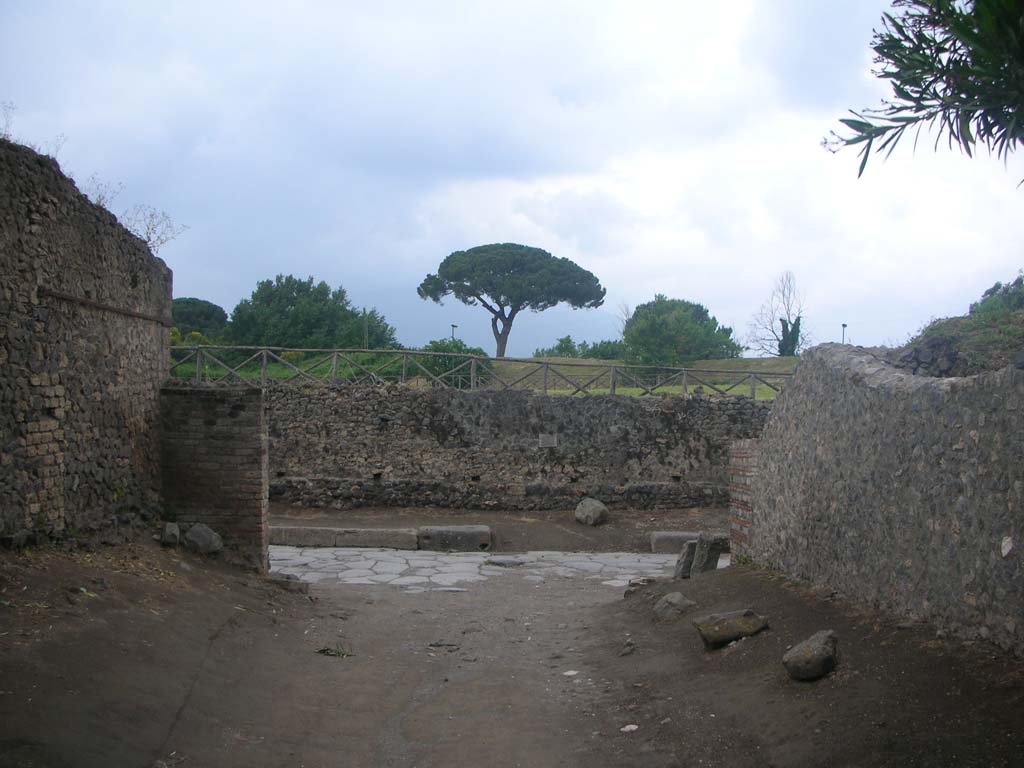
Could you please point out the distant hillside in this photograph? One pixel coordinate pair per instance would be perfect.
(989, 337)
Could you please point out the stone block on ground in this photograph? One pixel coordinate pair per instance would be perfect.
(710, 546)
(591, 512)
(171, 536)
(671, 542)
(505, 561)
(685, 561)
(455, 538)
(203, 539)
(302, 536)
(815, 657)
(672, 606)
(718, 629)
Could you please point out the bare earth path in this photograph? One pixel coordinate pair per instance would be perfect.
(136, 656)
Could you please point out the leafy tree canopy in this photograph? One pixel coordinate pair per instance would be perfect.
(602, 350)
(675, 332)
(198, 315)
(290, 312)
(954, 64)
(506, 278)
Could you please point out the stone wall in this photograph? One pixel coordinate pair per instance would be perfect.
(901, 490)
(391, 445)
(83, 349)
(214, 462)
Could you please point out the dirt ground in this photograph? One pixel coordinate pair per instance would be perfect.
(137, 656)
(626, 530)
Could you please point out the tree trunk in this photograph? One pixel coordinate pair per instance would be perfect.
(501, 335)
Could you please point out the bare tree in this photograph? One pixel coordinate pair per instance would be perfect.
(155, 227)
(623, 313)
(147, 223)
(7, 110)
(100, 192)
(775, 329)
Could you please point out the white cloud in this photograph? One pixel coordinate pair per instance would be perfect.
(669, 147)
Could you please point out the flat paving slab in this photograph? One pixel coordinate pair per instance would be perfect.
(423, 570)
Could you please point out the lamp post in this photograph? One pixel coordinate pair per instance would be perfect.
(454, 326)
(844, 333)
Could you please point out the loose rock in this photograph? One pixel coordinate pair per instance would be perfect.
(171, 536)
(203, 539)
(814, 658)
(591, 512)
(672, 606)
(720, 629)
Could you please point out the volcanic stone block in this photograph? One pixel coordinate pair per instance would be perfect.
(671, 542)
(457, 538)
(685, 561)
(720, 629)
(710, 546)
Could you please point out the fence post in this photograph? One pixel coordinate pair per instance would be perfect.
(545, 367)
(199, 366)
(753, 387)
(472, 375)
(611, 385)
(405, 365)
(334, 369)
(263, 369)
(686, 389)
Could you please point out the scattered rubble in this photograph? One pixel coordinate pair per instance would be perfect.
(672, 606)
(171, 537)
(591, 512)
(720, 629)
(814, 658)
(203, 539)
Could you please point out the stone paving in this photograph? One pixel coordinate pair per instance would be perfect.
(420, 570)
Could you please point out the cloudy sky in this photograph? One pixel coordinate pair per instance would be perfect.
(668, 147)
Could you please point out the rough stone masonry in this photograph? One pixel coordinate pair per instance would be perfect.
(83, 348)
(901, 490)
(391, 445)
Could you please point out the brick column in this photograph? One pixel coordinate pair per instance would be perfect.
(214, 465)
(743, 456)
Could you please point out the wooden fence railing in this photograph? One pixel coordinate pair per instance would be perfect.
(276, 366)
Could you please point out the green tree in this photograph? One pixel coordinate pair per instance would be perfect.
(674, 332)
(563, 347)
(290, 312)
(506, 278)
(443, 367)
(198, 315)
(954, 64)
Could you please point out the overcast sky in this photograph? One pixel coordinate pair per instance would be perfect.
(668, 147)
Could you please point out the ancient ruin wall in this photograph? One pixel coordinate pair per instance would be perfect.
(214, 463)
(83, 349)
(901, 490)
(509, 450)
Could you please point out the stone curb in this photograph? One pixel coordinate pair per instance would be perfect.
(305, 536)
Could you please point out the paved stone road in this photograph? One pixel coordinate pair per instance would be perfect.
(419, 570)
